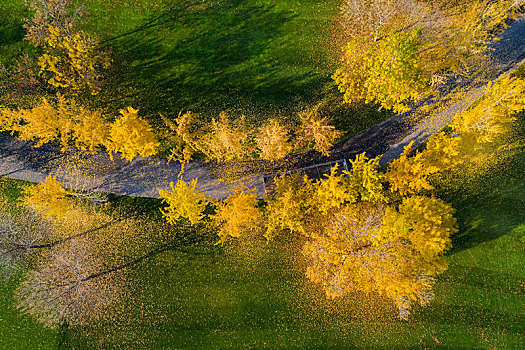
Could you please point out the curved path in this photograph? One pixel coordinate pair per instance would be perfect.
(145, 176)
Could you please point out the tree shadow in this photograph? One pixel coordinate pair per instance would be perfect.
(11, 33)
(492, 203)
(485, 279)
(207, 57)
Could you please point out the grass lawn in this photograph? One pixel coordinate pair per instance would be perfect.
(258, 57)
(197, 295)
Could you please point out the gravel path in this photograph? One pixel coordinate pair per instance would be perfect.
(143, 177)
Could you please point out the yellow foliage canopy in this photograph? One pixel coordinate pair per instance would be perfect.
(333, 191)
(273, 140)
(488, 120)
(317, 130)
(87, 130)
(493, 113)
(382, 70)
(408, 175)
(62, 120)
(397, 50)
(226, 139)
(365, 179)
(289, 207)
(184, 201)
(73, 61)
(48, 198)
(237, 215)
(369, 247)
(131, 135)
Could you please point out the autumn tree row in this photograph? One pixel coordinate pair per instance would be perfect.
(368, 230)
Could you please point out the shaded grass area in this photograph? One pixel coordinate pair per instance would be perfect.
(261, 58)
(12, 15)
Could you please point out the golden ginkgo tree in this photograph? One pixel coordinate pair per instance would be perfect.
(361, 239)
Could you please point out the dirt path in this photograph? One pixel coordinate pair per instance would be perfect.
(143, 177)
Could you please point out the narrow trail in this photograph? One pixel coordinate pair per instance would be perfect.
(144, 176)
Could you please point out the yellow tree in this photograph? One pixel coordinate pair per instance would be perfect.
(187, 135)
(333, 191)
(131, 136)
(73, 61)
(184, 201)
(62, 120)
(227, 139)
(359, 249)
(365, 179)
(384, 70)
(42, 122)
(273, 140)
(408, 175)
(317, 130)
(486, 122)
(288, 209)
(237, 215)
(62, 14)
(48, 198)
(490, 117)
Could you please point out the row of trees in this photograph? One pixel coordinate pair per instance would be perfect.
(63, 120)
(365, 230)
(224, 139)
(73, 125)
(369, 229)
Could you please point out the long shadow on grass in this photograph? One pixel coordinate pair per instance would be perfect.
(485, 279)
(206, 57)
(493, 204)
(11, 33)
